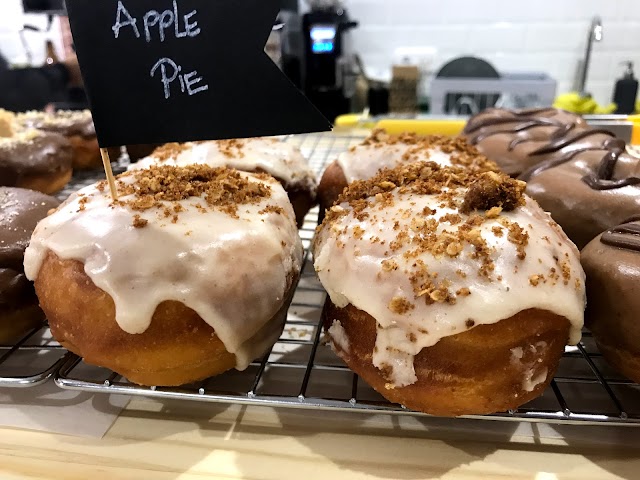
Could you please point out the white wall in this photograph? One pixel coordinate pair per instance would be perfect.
(12, 18)
(514, 35)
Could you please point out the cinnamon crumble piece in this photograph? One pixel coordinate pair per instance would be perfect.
(139, 222)
(491, 190)
(400, 305)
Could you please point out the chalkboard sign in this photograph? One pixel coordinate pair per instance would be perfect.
(178, 70)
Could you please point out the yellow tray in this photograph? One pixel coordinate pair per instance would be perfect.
(397, 126)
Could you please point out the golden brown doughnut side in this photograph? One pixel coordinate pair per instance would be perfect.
(177, 348)
(332, 183)
(469, 373)
(302, 201)
(46, 183)
(86, 152)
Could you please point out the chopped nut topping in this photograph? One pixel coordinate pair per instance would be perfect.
(492, 190)
(221, 188)
(139, 222)
(400, 305)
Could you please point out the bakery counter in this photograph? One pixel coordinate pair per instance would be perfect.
(152, 439)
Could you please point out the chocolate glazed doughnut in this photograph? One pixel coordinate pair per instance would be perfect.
(76, 126)
(612, 264)
(20, 211)
(35, 160)
(587, 189)
(519, 139)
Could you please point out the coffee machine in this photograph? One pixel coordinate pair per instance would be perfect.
(329, 67)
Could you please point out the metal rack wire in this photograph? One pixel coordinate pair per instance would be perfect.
(301, 371)
(32, 360)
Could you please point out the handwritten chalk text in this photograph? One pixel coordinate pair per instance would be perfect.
(159, 25)
(170, 71)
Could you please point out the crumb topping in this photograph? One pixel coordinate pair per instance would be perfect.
(400, 305)
(169, 151)
(163, 187)
(493, 192)
(462, 153)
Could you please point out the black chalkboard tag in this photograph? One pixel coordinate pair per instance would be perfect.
(177, 70)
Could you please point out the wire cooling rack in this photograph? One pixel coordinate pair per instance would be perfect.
(301, 371)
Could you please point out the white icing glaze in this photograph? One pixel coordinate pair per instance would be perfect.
(339, 335)
(363, 161)
(279, 159)
(350, 267)
(234, 272)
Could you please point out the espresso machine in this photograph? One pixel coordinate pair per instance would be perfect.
(329, 68)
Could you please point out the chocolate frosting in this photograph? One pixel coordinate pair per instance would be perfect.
(20, 211)
(612, 265)
(587, 191)
(623, 236)
(66, 123)
(33, 153)
(582, 175)
(520, 139)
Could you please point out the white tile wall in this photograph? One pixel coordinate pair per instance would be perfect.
(515, 35)
(12, 18)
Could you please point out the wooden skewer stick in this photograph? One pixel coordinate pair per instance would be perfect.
(106, 162)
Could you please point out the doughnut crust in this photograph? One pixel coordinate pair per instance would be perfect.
(331, 185)
(86, 152)
(49, 183)
(474, 372)
(177, 348)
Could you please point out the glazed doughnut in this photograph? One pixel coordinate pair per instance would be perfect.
(34, 159)
(187, 275)
(76, 126)
(612, 264)
(279, 159)
(20, 211)
(381, 150)
(450, 291)
(587, 190)
(520, 139)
